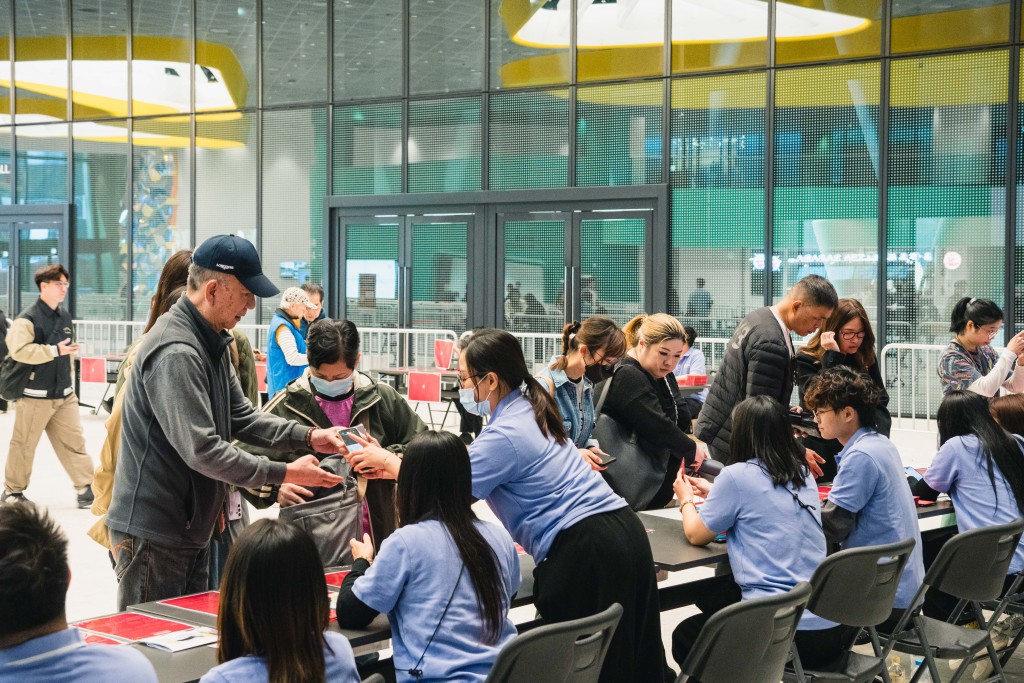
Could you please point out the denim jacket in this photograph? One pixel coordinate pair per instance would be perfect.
(578, 420)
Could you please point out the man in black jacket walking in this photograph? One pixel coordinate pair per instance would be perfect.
(759, 358)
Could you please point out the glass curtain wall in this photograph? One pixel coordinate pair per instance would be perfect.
(795, 136)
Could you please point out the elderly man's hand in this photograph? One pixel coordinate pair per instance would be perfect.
(306, 471)
(328, 441)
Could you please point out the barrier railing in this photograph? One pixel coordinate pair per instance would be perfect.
(106, 337)
(913, 384)
(538, 347)
(383, 348)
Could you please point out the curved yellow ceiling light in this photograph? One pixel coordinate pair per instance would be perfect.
(638, 23)
(160, 87)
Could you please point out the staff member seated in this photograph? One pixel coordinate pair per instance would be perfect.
(445, 578)
(35, 641)
(766, 502)
(981, 466)
(274, 613)
(870, 503)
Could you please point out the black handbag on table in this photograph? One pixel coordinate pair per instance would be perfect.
(634, 474)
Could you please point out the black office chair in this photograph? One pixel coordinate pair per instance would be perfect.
(855, 587)
(566, 652)
(749, 641)
(971, 566)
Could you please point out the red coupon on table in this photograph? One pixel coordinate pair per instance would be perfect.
(132, 626)
(207, 603)
(335, 578)
(97, 639)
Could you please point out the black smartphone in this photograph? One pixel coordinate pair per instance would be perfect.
(350, 443)
(605, 459)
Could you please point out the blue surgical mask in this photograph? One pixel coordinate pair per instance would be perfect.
(473, 406)
(333, 388)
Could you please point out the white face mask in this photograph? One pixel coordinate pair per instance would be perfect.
(332, 388)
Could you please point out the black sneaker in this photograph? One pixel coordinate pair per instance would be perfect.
(85, 499)
(9, 497)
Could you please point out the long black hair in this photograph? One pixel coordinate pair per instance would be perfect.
(965, 412)
(274, 564)
(497, 351)
(761, 430)
(435, 482)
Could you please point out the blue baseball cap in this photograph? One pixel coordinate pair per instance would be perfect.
(232, 255)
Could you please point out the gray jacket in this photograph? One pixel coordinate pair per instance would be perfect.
(182, 408)
(756, 362)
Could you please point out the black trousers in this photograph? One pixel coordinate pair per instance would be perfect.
(600, 560)
(818, 649)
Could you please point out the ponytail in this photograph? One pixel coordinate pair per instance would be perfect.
(597, 333)
(497, 351)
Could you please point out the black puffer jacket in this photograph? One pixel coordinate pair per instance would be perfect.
(756, 362)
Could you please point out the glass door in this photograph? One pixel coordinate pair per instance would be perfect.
(371, 283)
(436, 270)
(536, 272)
(612, 263)
(37, 244)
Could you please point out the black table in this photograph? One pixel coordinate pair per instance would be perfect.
(671, 551)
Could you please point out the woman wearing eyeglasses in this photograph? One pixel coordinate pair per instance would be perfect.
(594, 342)
(845, 339)
(969, 362)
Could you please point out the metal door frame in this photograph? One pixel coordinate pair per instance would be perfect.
(485, 247)
(16, 214)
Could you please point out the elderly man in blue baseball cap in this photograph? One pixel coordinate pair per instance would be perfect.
(183, 407)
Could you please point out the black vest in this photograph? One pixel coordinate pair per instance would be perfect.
(53, 379)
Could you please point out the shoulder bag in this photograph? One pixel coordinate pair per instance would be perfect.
(634, 474)
(332, 516)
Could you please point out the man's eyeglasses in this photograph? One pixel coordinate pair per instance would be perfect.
(63, 284)
(818, 413)
(849, 334)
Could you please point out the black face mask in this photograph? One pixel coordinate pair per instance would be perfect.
(598, 373)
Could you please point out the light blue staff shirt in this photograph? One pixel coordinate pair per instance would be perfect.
(412, 579)
(871, 483)
(340, 665)
(64, 656)
(773, 543)
(959, 469)
(693, 363)
(535, 486)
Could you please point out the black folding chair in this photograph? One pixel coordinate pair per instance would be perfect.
(972, 567)
(856, 587)
(1011, 603)
(566, 652)
(749, 641)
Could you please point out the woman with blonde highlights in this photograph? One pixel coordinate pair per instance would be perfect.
(642, 398)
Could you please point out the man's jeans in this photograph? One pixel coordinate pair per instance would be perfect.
(147, 571)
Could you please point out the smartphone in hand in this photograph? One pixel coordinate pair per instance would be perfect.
(605, 459)
(350, 443)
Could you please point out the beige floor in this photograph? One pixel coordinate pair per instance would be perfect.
(93, 588)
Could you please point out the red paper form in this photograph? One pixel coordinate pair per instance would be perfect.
(132, 626)
(335, 578)
(207, 603)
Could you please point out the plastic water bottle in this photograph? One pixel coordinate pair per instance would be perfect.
(897, 674)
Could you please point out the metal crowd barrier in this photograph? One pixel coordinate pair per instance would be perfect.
(909, 371)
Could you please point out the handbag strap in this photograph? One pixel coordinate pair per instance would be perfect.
(604, 391)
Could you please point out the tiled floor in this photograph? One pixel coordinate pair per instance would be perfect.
(93, 588)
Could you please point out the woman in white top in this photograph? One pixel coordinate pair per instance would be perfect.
(969, 362)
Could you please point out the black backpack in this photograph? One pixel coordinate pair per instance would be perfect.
(14, 376)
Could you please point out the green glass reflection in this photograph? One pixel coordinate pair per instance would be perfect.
(368, 149)
(444, 145)
(371, 275)
(826, 179)
(529, 140)
(717, 180)
(613, 127)
(534, 291)
(439, 267)
(946, 232)
(612, 267)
